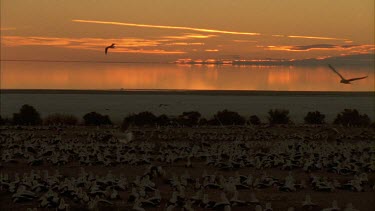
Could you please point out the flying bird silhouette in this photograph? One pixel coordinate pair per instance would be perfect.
(343, 80)
(111, 46)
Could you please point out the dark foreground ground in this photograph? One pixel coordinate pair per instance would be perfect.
(101, 168)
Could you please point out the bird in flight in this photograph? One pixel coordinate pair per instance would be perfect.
(111, 46)
(343, 80)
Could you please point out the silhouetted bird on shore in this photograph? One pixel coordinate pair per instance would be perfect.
(343, 80)
(111, 46)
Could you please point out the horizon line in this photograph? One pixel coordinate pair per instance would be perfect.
(276, 62)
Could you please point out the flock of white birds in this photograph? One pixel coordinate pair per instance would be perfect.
(192, 169)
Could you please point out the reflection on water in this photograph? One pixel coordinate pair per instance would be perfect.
(34, 75)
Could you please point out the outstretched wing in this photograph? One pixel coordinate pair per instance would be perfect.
(354, 79)
(333, 69)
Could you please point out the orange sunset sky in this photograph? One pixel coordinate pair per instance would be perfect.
(166, 30)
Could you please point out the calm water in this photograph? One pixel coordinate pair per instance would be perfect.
(31, 75)
(37, 75)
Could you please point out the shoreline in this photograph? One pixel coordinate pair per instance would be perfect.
(189, 92)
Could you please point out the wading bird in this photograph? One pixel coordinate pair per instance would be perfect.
(343, 80)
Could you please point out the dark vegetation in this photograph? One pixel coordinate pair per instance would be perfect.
(60, 119)
(202, 121)
(5, 121)
(94, 118)
(314, 118)
(28, 115)
(162, 120)
(226, 117)
(254, 120)
(279, 116)
(145, 118)
(351, 117)
(189, 118)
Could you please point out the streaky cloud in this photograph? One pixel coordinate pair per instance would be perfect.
(150, 51)
(315, 38)
(64, 41)
(167, 27)
(189, 36)
(211, 50)
(127, 45)
(278, 35)
(320, 46)
(206, 30)
(184, 44)
(7, 28)
(324, 47)
(128, 50)
(245, 41)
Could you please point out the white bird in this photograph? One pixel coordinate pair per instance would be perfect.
(268, 207)
(235, 201)
(127, 138)
(308, 203)
(343, 80)
(350, 207)
(224, 201)
(334, 207)
(137, 205)
(63, 205)
(258, 208)
(253, 199)
(111, 46)
(188, 163)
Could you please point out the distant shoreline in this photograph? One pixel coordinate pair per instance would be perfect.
(188, 92)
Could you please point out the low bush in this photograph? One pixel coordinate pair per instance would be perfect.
(189, 118)
(351, 117)
(279, 116)
(203, 121)
(174, 121)
(60, 119)
(254, 120)
(162, 120)
(5, 121)
(140, 119)
(94, 118)
(314, 118)
(213, 122)
(27, 116)
(226, 117)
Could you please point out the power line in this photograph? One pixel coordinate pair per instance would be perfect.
(80, 61)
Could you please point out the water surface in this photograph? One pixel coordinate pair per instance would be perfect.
(78, 75)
